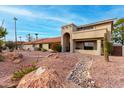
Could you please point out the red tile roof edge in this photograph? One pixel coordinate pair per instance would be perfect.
(44, 40)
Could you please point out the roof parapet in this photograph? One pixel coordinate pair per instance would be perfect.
(69, 25)
(99, 22)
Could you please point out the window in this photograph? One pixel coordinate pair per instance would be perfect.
(79, 45)
(85, 28)
(91, 45)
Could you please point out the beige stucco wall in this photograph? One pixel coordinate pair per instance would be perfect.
(37, 45)
(26, 47)
(45, 46)
(68, 29)
(108, 26)
(99, 33)
(122, 50)
(92, 52)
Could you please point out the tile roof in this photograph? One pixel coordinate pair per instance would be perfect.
(44, 40)
(48, 40)
(20, 42)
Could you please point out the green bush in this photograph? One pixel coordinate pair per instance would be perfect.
(1, 58)
(23, 70)
(1, 45)
(56, 47)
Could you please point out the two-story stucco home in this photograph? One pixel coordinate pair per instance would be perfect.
(87, 39)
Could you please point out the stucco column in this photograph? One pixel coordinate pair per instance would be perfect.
(122, 50)
(62, 43)
(98, 47)
(71, 45)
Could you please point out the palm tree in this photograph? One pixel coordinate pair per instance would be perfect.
(29, 37)
(36, 34)
(3, 33)
(20, 38)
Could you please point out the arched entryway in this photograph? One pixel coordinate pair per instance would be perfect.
(66, 41)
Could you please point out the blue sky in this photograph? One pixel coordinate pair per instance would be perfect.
(47, 20)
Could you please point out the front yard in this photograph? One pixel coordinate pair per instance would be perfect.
(105, 74)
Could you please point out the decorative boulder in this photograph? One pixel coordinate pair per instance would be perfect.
(6, 82)
(14, 57)
(41, 78)
(17, 58)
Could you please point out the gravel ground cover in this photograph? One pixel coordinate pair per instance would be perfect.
(105, 74)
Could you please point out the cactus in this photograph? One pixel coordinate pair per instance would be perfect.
(106, 50)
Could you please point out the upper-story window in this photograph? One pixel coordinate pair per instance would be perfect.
(85, 28)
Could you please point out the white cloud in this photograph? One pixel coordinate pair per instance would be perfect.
(59, 19)
(16, 11)
(25, 12)
(42, 15)
(114, 12)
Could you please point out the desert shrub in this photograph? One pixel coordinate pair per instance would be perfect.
(56, 47)
(10, 45)
(2, 58)
(1, 45)
(43, 50)
(23, 70)
(4, 47)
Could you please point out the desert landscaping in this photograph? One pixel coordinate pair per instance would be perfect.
(62, 70)
(50, 52)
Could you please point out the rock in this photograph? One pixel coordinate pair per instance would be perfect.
(40, 70)
(56, 56)
(17, 61)
(14, 56)
(41, 78)
(6, 82)
(10, 56)
(50, 55)
(88, 83)
(17, 56)
(80, 74)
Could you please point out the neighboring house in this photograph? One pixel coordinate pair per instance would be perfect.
(87, 39)
(20, 44)
(41, 43)
(28, 46)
